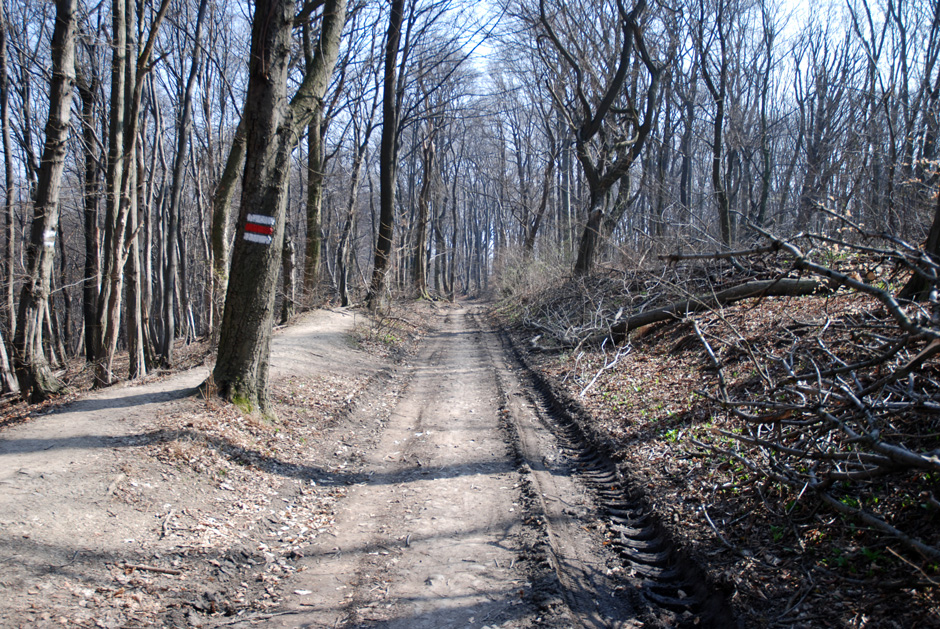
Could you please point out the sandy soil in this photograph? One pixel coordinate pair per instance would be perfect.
(424, 493)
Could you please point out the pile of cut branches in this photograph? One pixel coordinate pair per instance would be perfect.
(845, 409)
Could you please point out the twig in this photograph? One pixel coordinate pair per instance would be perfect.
(166, 522)
(715, 528)
(145, 568)
(620, 351)
(793, 604)
(913, 565)
(257, 617)
(715, 363)
(932, 552)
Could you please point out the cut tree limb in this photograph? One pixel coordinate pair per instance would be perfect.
(134, 566)
(763, 288)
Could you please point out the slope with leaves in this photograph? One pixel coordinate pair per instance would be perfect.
(791, 442)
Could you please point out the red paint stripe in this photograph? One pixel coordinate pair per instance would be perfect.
(255, 228)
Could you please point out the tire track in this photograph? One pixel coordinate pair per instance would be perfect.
(648, 575)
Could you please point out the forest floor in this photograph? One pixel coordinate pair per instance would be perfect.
(653, 405)
(410, 479)
(417, 475)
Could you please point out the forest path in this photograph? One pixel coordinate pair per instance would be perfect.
(464, 509)
(450, 502)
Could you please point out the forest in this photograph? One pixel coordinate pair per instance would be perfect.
(708, 229)
(446, 142)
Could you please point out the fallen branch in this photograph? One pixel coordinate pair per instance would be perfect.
(764, 288)
(145, 568)
(928, 551)
(620, 351)
(719, 255)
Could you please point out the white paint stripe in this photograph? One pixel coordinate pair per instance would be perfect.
(259, 238)
(261, 219)
(49, 233)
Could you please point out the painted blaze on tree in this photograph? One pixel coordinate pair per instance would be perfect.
(272, 126)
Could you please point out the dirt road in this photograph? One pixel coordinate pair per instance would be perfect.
(444, 528)
(457, 499)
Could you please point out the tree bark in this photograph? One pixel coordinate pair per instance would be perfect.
(388, 159)
(718, 93)
(342, 249)
(126, 89)
(37, 382)
(315, 167)
(112, 271)
(221, 220)
(420, 268)
(587, 249)
(918, 287)
(6, 372)
(137, 362)
(288, 264)
(136, 343)
(9, 182)
(88, 93)
(533, 227)
(272, 131)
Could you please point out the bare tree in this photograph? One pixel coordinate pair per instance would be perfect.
(32, 369)
(388, 157)
(609, 129)
(272, 130)
(182, 150)
(127, 83)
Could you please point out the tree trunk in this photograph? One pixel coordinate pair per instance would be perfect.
(179, 166)
(126, 89)
(718, 93)
(420, 269)
(288, 264)
(315, 167)
(688, 135)
(9, 182)
(244, 340)
(918, 287)
(388, 159)
(587, 250)
(187, 327)
(112, 272)
(452, 281)
(6, 372)
(783, 287)
(66, 296)
(533, 227)
(272, 131)
(221, 219)
(136, 343)
(721, 196)
(342, 249)
(37, 382)
(88, 92)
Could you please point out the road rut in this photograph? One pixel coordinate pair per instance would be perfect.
(466, 514)
(434, 535)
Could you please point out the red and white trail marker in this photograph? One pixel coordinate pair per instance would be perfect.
(259, 228)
